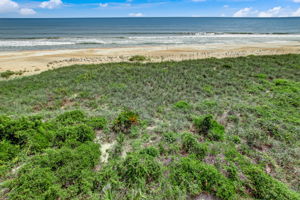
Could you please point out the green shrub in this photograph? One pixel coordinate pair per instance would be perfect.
(97, 122)
(196, 177)
(182, 105)
(118, 147)
(4, 168)
(8, 151)
(137, 58)
(84, 156)
(65, 170)
(267, 188)
(4, 124)
(210, 128)
(107, 176)
(170, 137)
(7, 74)
(84, 133)
(72, 117)
(11, 129)
(192, 146)
(35, 183)
(37, 141)
(151, 151)
(173, 148)
(125, 121)
(188, 141)
(139, 168)
(74, 135)
(282, 82)
(261, 76)
(69, 167)
(232, 172)
(236, 139)
(227, 66)
(26, 132)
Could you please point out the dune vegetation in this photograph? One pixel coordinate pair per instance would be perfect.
(196, 129)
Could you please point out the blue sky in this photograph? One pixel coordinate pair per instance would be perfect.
(149, 8)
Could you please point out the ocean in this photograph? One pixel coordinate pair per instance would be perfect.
(72, 33)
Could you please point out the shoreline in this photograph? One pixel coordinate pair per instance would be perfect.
(37, 61)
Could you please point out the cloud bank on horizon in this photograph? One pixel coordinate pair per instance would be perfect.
(149, 8)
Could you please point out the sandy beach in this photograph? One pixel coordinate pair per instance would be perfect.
(33, 62)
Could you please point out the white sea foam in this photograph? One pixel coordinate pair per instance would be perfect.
(48, 42)
(214, 35)
(187, 38)
(30, 43)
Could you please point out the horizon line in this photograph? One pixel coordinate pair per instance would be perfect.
(145, 17)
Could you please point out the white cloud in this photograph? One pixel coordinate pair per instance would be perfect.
(103, 5)
(296, 13)
(245, 12)
(274, 12)
(136, 14)
(297, 1)
(7, 6)
(198, 0)
(51, 4)
(27, 11)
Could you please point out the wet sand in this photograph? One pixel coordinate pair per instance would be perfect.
(33, 62)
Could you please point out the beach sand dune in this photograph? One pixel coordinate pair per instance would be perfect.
(33, 62)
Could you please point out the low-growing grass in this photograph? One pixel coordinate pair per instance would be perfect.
(227, 128)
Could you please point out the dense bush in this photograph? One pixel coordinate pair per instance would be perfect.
(26, 133)
(192, 146)
(36, 141)
(8, 151)
(125, 121)
(266, 187)
(73, 135)
(7, 74)
(34, 135)
(77, 117)
(97, 122)
(210, 128)
(170, 137)
(138, 58)
(14, 130)
(140, 168)
(197, 177)
(151, 151)
(72, 117)
(35, 183)
(62, 155)
(58, 173)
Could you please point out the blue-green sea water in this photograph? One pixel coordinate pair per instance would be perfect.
(27, 34)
